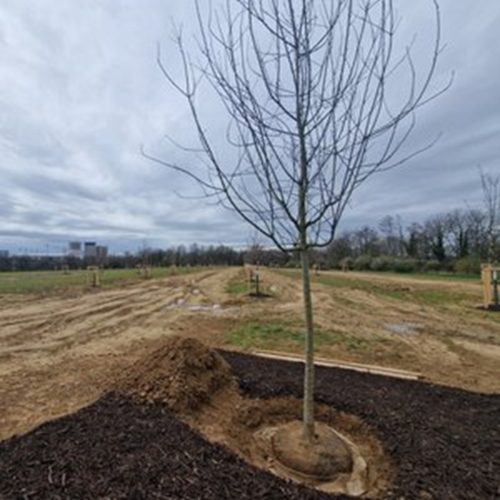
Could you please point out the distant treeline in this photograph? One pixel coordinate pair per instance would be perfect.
(194, 255)
(458, 241)
(455, 242)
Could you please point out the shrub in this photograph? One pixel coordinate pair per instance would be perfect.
(383, 263)
(347, 264)
(468, 265)
(405, 265)
(362, 263)
(432, 266)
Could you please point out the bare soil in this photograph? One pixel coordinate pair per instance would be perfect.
(60, 352)
(454, 343)
(182, 373)
(197, 384)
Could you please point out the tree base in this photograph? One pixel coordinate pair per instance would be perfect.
(322, 459)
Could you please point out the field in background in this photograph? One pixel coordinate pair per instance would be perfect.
(424, 276)
(438, 290)
(435, 326)
(46, 281)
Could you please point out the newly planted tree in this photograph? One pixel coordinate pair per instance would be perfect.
(316, 100)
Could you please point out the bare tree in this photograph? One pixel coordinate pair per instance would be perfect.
(491, 200)
(306, 88)
(457, 231)
(392, 229)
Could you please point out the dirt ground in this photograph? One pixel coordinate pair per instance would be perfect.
(62, 351)
(451, 343)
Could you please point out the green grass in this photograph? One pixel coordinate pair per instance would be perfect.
(279, 335)
(434, 276)
(395, 290)
(237, 287)
(47, 281)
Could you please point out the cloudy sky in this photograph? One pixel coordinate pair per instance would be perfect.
(80, 92)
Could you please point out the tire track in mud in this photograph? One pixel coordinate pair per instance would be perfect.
(47, 317)
(47, 314)
(53, 325)
(120, 320)
(60, 353)
(85, 322)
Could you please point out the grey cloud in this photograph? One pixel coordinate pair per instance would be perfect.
(80, 92)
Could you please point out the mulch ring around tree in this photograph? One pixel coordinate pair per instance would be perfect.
(444, 443)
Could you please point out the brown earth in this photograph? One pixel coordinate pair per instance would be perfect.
(60, 352)
(182, 373)
(453, 344)
(197, 384)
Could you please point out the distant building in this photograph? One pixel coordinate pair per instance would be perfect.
(90, 249)
(101, 253)
(4, 254)
(75, 249)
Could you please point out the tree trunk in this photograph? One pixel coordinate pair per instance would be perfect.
(308, 409)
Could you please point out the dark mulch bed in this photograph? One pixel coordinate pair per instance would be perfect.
(117, 448)
(444, 442)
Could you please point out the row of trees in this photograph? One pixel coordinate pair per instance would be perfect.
(194, 255)
(459, 240)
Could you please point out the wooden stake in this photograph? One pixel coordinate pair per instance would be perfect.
(376, 370)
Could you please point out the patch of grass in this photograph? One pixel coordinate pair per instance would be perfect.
(236, 288)
(239, 286)
(398, 291)
(435, 276)
(280, 335)
(47, 281)
(263, 335)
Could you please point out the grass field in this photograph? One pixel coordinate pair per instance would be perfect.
(46, 281)
(434, 276)
(282, 335)
(425, 295)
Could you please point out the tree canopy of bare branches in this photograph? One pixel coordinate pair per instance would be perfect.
(491, 200)
(308, 91)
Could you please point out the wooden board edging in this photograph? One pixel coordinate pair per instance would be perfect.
(359, 367)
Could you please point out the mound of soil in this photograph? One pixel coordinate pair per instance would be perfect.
(325, 458)
(183, 373)
(252, 426)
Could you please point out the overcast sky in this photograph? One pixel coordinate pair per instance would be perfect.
(80, 92)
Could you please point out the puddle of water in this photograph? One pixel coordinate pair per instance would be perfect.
(182, 304)
(214, 307)
(405, 329)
